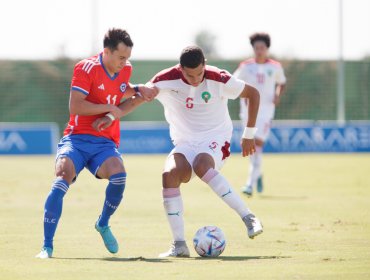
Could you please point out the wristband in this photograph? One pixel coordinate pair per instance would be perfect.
(109, 115)
(249, 132)
(136, 89)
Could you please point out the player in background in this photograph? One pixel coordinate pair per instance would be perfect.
(268, 77)
(98, 85)
(195, 96)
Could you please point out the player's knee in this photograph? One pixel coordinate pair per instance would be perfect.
(171, 178)
(65, 170)
(64, 175)
(201, 165)
(111, 167)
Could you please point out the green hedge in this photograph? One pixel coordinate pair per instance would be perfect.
(37, 91)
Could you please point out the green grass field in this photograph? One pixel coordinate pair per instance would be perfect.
(316, 214)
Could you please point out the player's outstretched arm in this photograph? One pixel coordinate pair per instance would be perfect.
(247, 141)
(148, 92)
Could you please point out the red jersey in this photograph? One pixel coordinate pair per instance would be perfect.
(92, 79)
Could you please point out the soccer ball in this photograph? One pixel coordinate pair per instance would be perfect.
(209, 241)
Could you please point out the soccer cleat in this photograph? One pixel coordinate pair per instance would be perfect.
(178, 249)
(253, 225)
(259, 184)
(46, 253)
(248, 190)
(110, 241)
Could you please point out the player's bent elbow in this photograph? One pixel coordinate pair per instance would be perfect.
(72, 110)
(250, 92)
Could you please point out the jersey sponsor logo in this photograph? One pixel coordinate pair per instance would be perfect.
(123, 87)
(206, 96)
(269, 72)
(175, 91)
(101, 87)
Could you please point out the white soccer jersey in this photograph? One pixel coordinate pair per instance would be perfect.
(264, 77)
(196, 113)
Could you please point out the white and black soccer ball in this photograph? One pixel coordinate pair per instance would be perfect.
(209, 241)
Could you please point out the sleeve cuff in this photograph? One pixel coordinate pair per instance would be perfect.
(80, 90)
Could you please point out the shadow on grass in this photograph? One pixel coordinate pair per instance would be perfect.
(115, 259)
(243, 258)
(282, 197)
(158, 260)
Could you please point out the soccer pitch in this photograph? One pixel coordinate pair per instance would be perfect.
(315, 211)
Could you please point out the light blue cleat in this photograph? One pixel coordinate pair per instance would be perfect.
(46, 253)
(259, 184)
(110, 241)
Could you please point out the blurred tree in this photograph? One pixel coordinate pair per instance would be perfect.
(206, 40)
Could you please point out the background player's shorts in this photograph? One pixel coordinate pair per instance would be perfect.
(87, 151)
(217, 147)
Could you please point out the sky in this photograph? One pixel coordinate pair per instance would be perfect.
(302, 29)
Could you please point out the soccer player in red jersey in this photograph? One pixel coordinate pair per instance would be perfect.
(99, 83)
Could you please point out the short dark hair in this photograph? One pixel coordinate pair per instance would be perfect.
(115, 36)
(192, 57)
(264, 37)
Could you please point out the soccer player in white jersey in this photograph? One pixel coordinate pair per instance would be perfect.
(194, 96)
(268, 77)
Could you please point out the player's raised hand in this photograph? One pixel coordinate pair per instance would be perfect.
(102, 123)
(248, 147)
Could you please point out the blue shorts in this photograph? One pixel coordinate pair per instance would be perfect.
(87, 151)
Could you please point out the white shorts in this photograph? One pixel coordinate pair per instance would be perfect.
(217, 147)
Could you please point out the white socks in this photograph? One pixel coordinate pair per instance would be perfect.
(174, 208)
(222, 188)
(255, 167)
